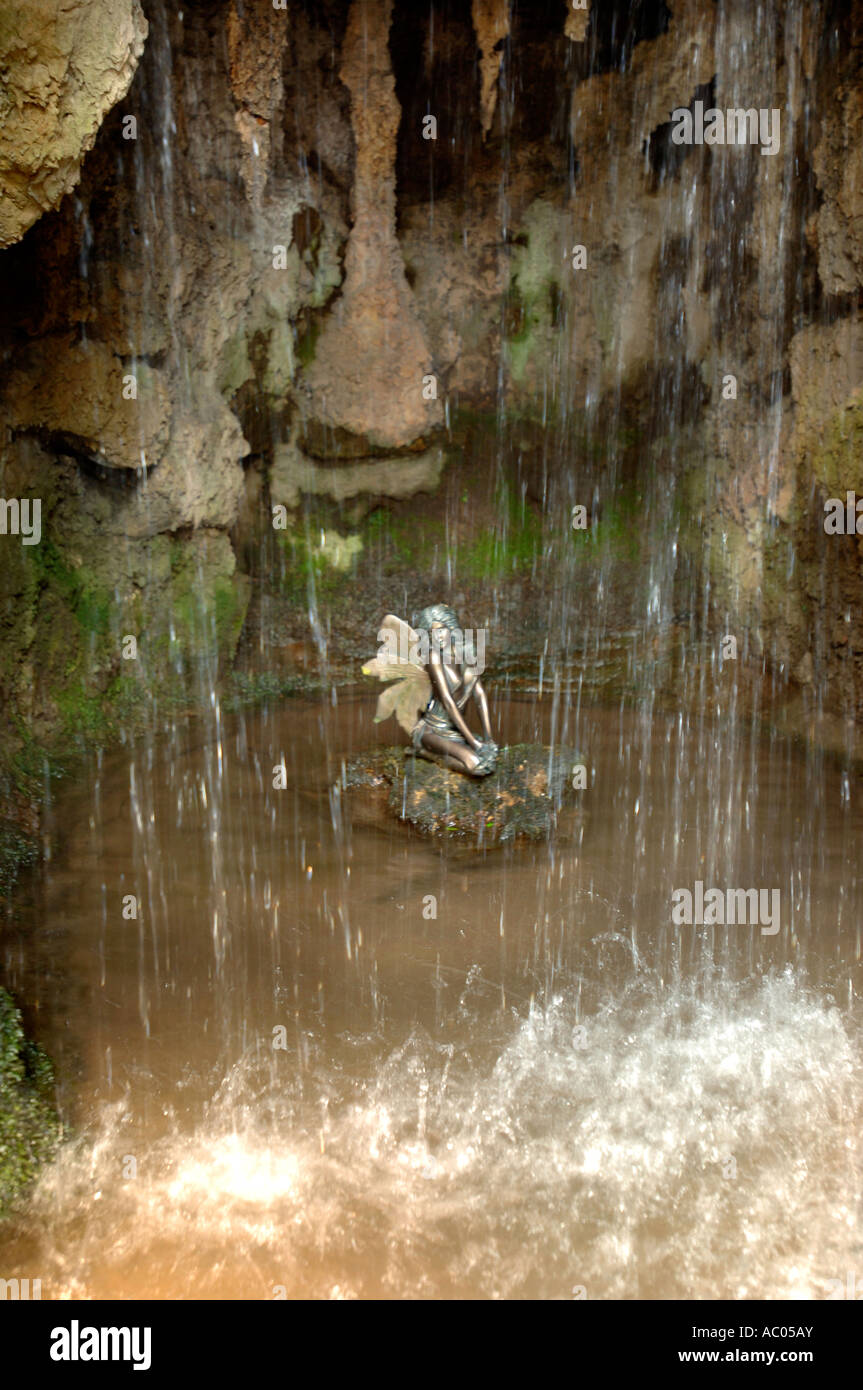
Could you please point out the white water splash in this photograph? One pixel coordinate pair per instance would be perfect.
(594, 1157)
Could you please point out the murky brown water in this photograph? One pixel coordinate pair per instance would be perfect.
(546, 1088)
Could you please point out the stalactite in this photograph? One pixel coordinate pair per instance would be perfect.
(372, 355)
(577, 19)
(491, 22)
(256, 43)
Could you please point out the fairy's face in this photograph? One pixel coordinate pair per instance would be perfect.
(440, 636)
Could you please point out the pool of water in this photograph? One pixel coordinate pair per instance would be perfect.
(334, 1060)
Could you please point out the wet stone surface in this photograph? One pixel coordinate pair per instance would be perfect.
(528, 795)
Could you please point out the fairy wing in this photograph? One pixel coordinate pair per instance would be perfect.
(396, 632)
(411, 690)
(405, 698)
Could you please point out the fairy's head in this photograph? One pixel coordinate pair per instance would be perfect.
(444, 632)
(436, 615)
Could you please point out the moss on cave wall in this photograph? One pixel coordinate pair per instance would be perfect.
(29, 1128)
(741, 536)
(68, 604)
(535, 295)
(834, 458)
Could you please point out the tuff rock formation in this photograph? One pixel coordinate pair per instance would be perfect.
(256, 45)
(64, 67)
(372, 355)
(491, 21)
(577, 18)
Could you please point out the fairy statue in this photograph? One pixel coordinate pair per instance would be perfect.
(435, 672)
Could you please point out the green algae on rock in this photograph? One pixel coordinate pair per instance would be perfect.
(523, 798)
(29, 1127)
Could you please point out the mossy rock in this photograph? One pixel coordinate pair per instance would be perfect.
(834, 457)
(518, 800)
(17, 851)
(29, 1127)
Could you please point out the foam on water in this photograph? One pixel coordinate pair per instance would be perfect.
(678, 1143)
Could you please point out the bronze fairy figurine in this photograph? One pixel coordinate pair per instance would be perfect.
(435, 672)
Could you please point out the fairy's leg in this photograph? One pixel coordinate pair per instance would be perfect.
(482, 704)
(458, 755)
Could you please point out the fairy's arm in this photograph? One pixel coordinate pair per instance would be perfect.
(441, 687)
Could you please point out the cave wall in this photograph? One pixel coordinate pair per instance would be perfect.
(148, 322)
(278, 288)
